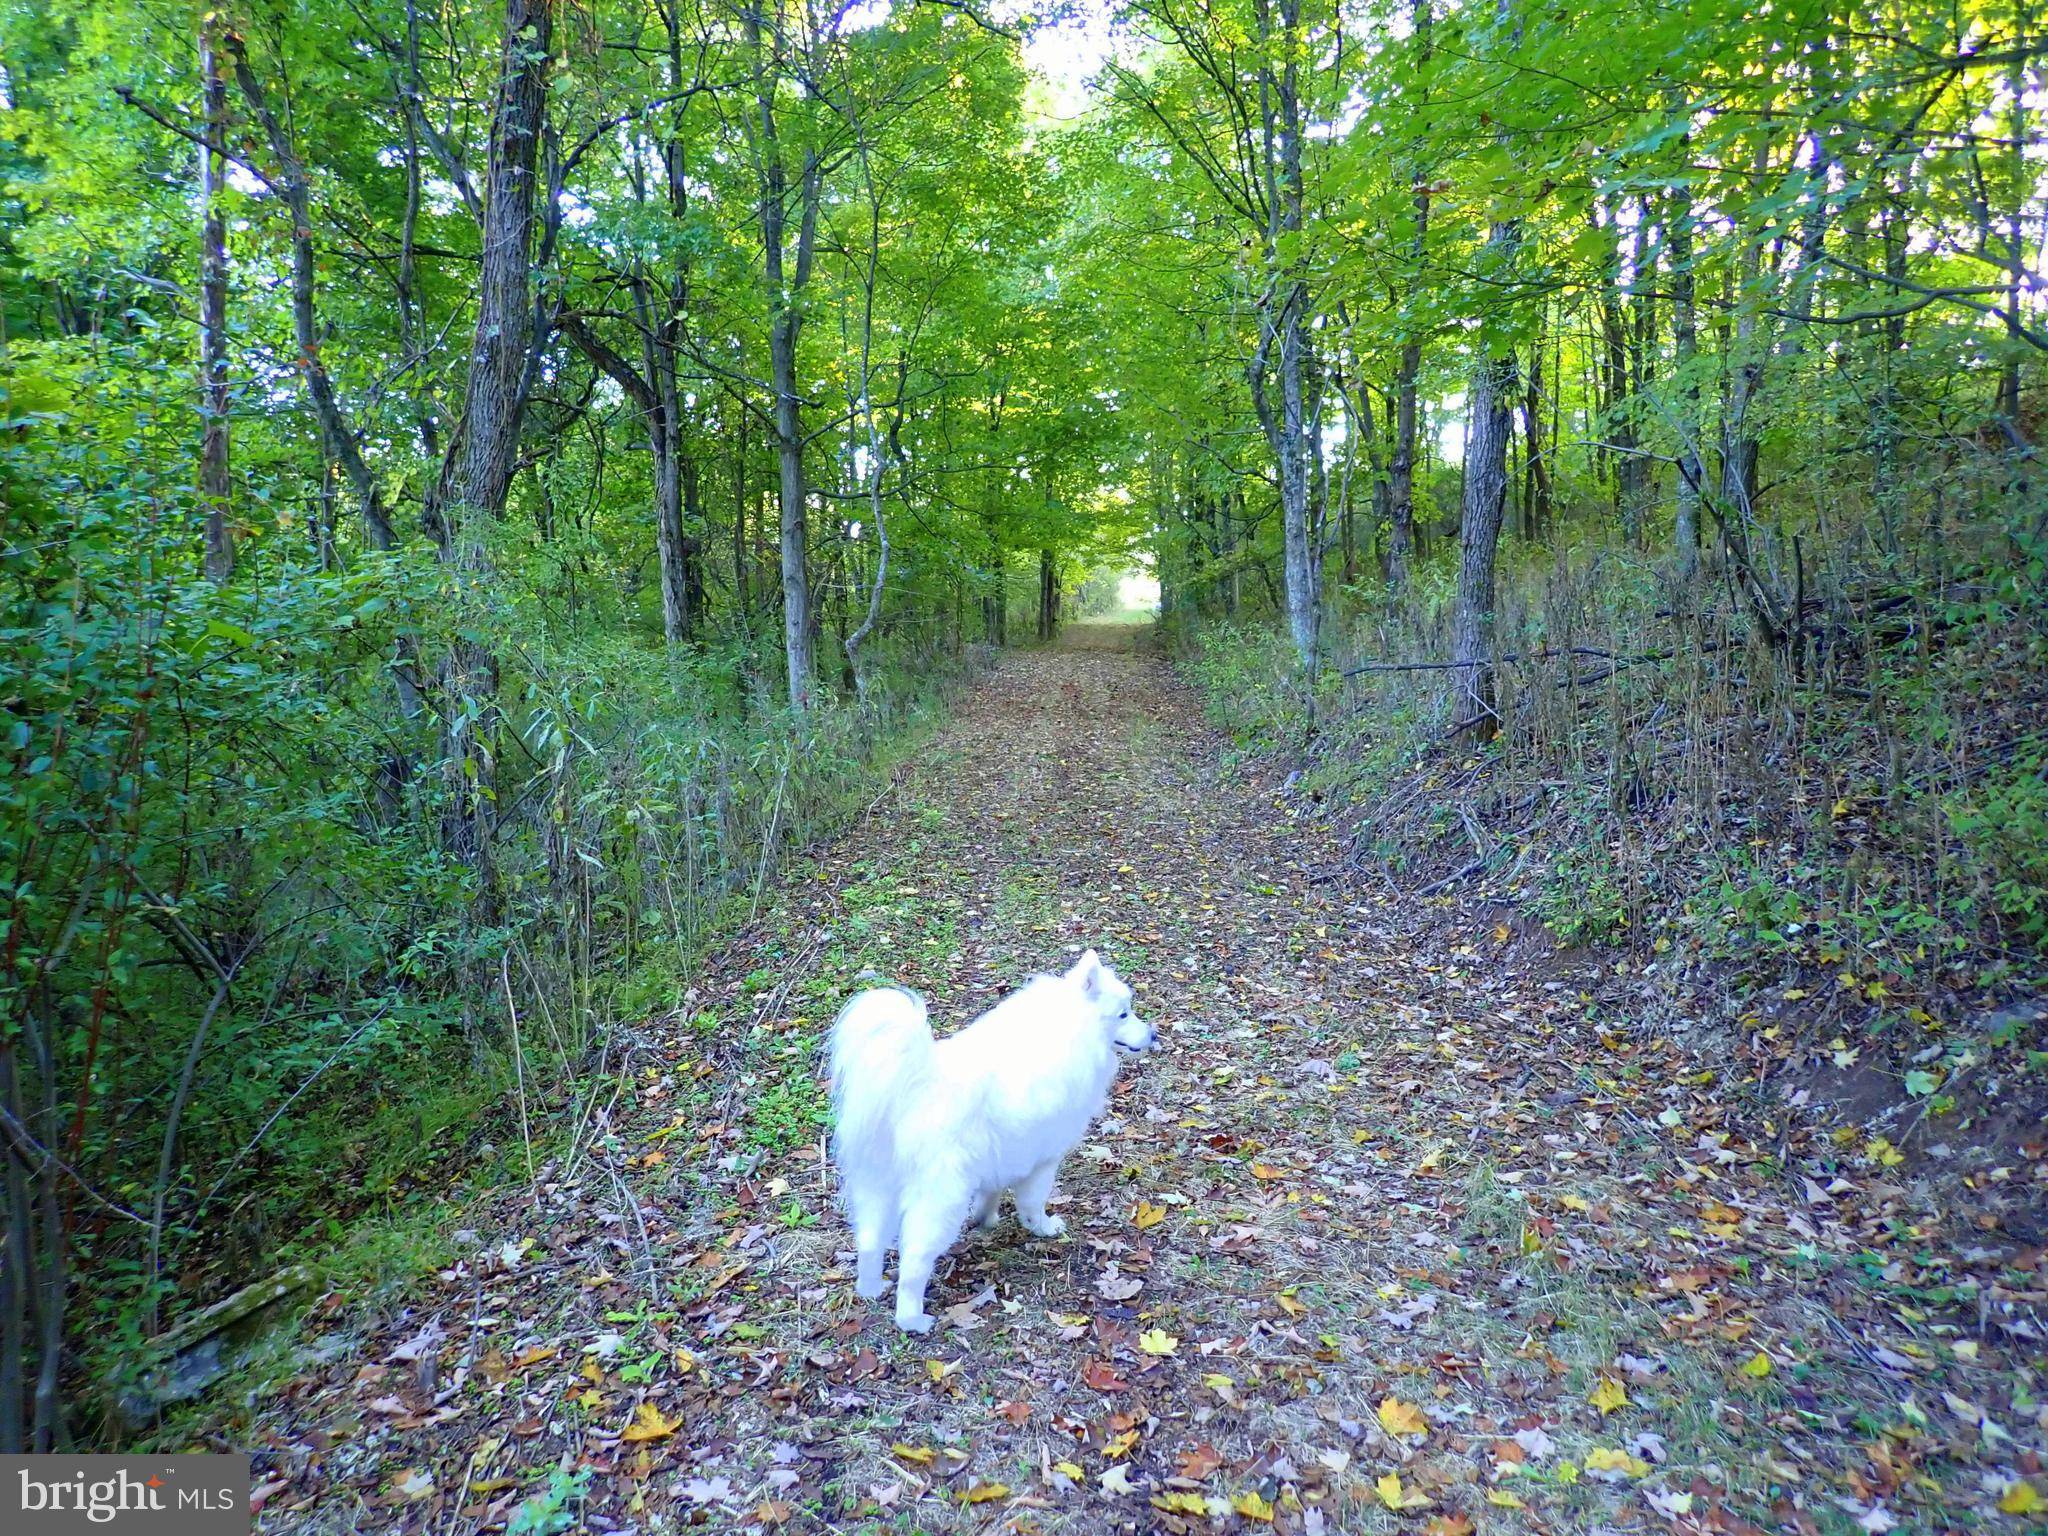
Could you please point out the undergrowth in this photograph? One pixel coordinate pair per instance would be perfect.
(1855, 830)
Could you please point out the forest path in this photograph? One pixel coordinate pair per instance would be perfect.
(1384, 1234)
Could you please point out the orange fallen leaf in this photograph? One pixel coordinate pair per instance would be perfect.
(1102, 1376)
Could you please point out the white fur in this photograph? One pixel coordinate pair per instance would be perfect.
(931, 1132)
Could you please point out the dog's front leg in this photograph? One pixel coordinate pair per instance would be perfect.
(1032, 1192)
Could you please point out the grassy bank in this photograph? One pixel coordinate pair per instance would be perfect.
(1834, 857)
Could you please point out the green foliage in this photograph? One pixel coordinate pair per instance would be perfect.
(2002, 821)
(1581, 899)
(554, 1508)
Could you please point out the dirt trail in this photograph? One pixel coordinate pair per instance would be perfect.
(1384, 1235)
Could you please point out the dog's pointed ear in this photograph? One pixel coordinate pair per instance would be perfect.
(1088, 971)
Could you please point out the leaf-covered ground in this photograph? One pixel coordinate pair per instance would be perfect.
(1388, 1235)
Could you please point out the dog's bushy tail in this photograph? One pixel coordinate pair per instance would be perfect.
(880, 1057)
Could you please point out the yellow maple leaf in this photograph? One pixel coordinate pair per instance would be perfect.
(2022, 1499)
(1399, 1418)
(1504, 1499)
(1157, 1341)
(982, 1493)
(1397, 1498)
(1608, 1396)
(1181, 1503)
(1605, 1459)
(1147, 1215)
(1069, 1470)
(1757, 1365)
(917, 1456)
(649, 1423)
(1251, 1506)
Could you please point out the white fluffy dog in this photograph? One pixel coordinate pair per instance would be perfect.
(930, 1132)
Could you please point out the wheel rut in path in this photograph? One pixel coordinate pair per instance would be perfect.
(1383, 1233)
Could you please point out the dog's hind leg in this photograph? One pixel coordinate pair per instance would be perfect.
(1031, 1192)
(873, 1214)
(928, 1231)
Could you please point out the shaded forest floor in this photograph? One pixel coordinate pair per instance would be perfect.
(1386, 1236)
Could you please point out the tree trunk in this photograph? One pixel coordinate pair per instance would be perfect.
(214, 487)
(742, 580)
(2024, 183)
(1536, 492)
(476, 471)
(476, 474)
(1284, 339)
(1485, 506)
(786, 281)
(337, 435)
(1401, 550)
(659, 403)
(1685, 335)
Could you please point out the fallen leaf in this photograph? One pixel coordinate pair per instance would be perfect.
(2022, 1498)
(649, 1423)
(1157, 1341)
(1112, 1285)
(413, 1484)
(917, 1456)
(712, 1490)
(1102, 1376)
(1757, 1365)
(1448, 1525)
(1608, 1396)
(982, 1493)
(1615, 1464)
(1399, 1418)
(1397, 1498)
(1181, 1504)
(1198, 1461)
(1504, 1499)
(1252, 1506)
(1116, 1480)
(1147, 1215)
